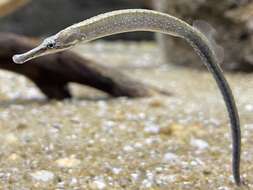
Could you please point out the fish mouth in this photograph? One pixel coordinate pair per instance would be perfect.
(32, 54)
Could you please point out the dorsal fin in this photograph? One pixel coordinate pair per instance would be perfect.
(210, 33)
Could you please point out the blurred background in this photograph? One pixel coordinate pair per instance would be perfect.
(86, 138)
(232, 20)
(45, 17)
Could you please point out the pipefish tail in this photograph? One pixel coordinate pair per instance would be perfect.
(131, 20)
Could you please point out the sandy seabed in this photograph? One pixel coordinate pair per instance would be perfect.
(97, 142)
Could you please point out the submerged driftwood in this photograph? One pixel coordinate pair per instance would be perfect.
(231, 19)
(53, 73)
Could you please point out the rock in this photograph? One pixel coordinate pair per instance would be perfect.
(128, 148)
(68, 162)
(98, 184)
(11, 139)
(156, 103)
(170, 157)
(116, 171)
(249, 107)
(43, 176)
(199, 144)
(151, 128)
(233, 35)
(14, 157)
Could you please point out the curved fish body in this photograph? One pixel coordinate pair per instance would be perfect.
(132, 20)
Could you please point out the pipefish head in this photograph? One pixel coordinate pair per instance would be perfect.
(50, 45)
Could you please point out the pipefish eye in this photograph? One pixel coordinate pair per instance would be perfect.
(51, 45)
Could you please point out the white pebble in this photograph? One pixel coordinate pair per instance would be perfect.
(98, 183)
(11, 139)
(152, 128)
(249, 107)
(43, 175)
(170, 157)
(128, 148)
(199, 144)
(68, 162)
(135, 176)
(165, 179)
(116, 171)
(223, 188)
(146, 184)
(73, 181)
(248, 126)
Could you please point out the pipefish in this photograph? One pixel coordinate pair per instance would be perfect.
(131, 20)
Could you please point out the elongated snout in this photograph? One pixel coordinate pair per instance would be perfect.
(34, 53)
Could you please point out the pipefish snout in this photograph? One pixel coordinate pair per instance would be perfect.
(131, 20)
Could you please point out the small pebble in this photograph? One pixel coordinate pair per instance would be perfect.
(249, 107)
(156, 103)
(98, 184)
(147, 184)
(152, 128)
(170, 157)
(223, 188)
(68, 162)
(43, 176)
(73, 181)
(165, 179)
(128, 148)
(14, 157)
(116, 171)
(199, 144)
(11, 139)
(135, 176)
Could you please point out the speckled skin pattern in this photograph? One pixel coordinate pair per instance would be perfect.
(146, 20)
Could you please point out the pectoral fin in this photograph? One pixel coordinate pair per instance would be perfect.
(210, 33)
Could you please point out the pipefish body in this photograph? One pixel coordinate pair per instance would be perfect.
(131, 20)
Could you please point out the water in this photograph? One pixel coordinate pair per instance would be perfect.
(91, 142)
